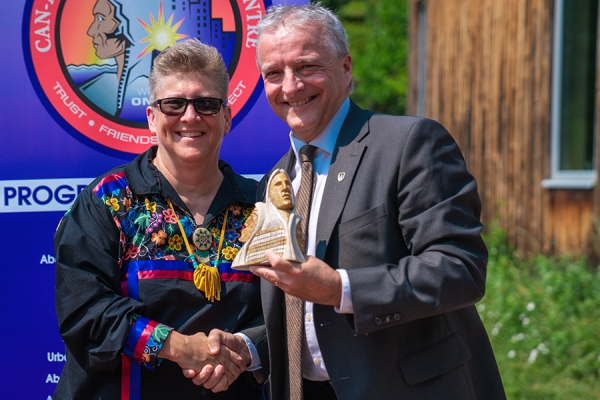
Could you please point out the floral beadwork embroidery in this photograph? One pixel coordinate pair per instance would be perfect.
(230, 252)
(150, 231)
(149, 357)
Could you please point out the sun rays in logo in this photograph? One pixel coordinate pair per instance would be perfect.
(160, 34)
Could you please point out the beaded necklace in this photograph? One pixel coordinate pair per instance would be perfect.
(206, 277)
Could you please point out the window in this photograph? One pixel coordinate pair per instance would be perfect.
(573, 95)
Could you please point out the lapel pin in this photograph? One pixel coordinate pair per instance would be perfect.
(341, 176)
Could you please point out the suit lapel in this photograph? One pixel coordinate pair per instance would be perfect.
(344, 164)
(287, 162)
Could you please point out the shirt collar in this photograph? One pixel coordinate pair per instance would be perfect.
(144, 178)
(325, 140)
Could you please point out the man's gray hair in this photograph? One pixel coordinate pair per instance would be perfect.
(334, 34)
(189, 56)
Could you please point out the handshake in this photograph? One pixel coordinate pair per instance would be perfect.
(213, 361)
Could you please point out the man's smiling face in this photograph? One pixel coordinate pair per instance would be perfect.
(304, 83)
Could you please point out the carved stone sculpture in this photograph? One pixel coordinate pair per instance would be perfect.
(273, 225)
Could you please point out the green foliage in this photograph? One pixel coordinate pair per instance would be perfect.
(377, 32)
(543, 318)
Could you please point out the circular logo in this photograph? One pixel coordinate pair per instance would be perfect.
(92, 58)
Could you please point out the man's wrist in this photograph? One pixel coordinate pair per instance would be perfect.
(244, 351)
(248, 352)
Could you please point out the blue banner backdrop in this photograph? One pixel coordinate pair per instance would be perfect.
(66, 117)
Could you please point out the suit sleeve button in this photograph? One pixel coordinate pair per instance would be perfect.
(378, 321)
(397, 317)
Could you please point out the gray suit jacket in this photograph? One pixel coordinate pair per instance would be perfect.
(404, 222)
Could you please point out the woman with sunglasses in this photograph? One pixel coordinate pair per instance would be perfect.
(143, 269)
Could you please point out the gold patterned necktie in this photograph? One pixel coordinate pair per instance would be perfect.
(305, 191)
(293, 305)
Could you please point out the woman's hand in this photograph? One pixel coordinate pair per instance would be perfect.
(216, 369)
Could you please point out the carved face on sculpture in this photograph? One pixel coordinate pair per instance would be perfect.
(249, 226)
(280, 192)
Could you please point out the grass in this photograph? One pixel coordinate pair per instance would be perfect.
(543, 318)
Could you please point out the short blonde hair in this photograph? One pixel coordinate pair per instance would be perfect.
(189, 56)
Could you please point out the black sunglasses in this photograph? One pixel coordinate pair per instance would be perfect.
(178, 105)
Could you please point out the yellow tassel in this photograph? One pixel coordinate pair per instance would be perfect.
(207, 280)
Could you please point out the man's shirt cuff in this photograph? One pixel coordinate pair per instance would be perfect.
(254, 357)
(346, 306)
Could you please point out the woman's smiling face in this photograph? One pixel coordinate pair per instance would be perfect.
(190, 137)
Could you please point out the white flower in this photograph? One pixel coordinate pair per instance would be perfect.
(481, 307)
(543, 348)
(521, 316)
(518, 337)
(532, 356)
(496, 328)
(530, 306)
(511, 354)
(525, 321)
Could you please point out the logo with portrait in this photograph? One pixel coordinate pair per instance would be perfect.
(90, 59)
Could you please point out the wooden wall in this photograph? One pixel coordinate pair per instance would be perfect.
(488, 67)
(595, 236)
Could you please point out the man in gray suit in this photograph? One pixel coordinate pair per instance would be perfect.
(396, 261)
